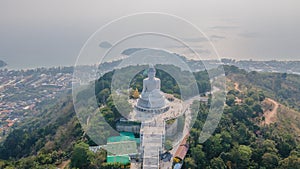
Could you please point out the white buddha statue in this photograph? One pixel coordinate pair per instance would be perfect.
(151, 96)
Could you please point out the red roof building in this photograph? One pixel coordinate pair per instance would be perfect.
(182, 149)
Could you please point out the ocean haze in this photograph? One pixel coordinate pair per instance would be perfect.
(35, 33)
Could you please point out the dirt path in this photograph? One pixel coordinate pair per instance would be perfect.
(63, 164)
(236, 87)
(271, 115)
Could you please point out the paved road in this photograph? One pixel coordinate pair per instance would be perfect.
(152, 139)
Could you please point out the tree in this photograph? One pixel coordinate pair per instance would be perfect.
(241, 112)
(199, 155)
(261, 96)
(240, 156)
(103, 95)
(108, 115)
(230, 99)
(257, 108)
(195, 134)
(100, 157)
(189, 163)
(270, 161)
(226, 140)
(243, 135)
(217, 163)
(249, 101)
(296, 152)
(269, 146)
(245, 153)
(81, 156)
(168, 145)
(213, 146)
(291, 162)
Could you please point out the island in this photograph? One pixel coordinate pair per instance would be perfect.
(2, 64)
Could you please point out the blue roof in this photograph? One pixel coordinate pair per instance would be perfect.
(177, 166)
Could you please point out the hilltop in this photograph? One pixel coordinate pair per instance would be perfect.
(242, 140)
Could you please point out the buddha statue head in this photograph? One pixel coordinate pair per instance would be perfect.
(151, 72)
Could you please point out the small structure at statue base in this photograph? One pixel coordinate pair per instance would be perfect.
(136, 94)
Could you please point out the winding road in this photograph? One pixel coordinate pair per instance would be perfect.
(270, 115)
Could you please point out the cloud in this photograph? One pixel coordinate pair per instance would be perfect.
(203, 51)
(105, 45)
(197, 39)
(224, 27)
(217, 37)
(184, 47)
(196, 48)
(249, 34)
(200, 51)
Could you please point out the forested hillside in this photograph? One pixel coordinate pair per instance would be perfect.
(55, 137)
(281, 86)
(241, 139)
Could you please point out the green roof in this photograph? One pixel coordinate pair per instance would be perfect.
(129, 134)
(121, 148)
(123, 159)
(119, 139)
(124, 136)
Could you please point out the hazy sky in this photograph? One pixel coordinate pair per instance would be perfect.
(51, 32)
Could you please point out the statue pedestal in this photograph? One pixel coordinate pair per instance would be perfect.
(152, 110)
(140, 113)
(155, 102)
(152, 100)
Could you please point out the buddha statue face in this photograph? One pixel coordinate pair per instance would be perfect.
(151, 73)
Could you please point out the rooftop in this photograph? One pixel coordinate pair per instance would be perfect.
(123, 159)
